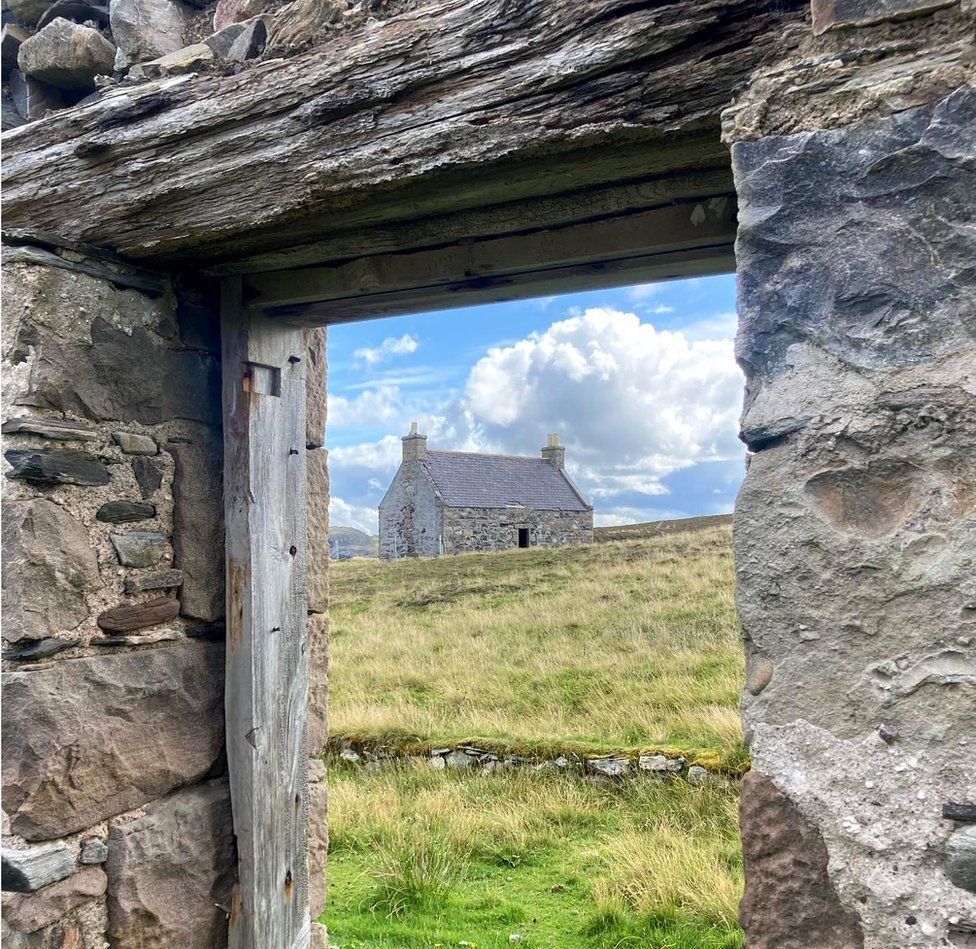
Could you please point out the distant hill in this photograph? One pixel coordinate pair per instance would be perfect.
(346, 542)
(656, 528)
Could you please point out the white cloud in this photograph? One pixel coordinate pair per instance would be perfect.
(371, 407)
(633, 404)
(719, 326)
(343, 514)
(661, 309)
(391, 346)
(642, 291)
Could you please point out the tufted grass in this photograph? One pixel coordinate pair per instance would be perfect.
(622, 646)
(426, 859)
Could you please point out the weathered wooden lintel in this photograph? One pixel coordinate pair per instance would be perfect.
(682, 239)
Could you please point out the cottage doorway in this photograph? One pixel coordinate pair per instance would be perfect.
(523, 537)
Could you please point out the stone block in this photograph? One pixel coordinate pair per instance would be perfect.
(318, 530)
(65, 466)
(235, 11)
(315, 381)
(29, 912)
(832, 14)
(318, 836)
(127, 727)
(171, 872)
(63, 429)
(249, 44)
(48, 565)
(148, 476)
(66, 55)
(125, 512)
(318, 682)
(94, 851)
(26, 870)
(789, 900)
(116, 375)
(134, 444)
(139, 548)
(132, 616)
(158, 580)
(198, 524)
(187, 59)
(146, 29)
(960, 858)
(825, 217)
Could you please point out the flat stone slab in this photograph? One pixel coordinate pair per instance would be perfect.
(26, 870)
(64, 429)
(133, 444)
(157, 580)
(133, 725)
(132, 616)
(39, 649)
(29, 912)
(125, 512)
(57, 467)
(139, 549)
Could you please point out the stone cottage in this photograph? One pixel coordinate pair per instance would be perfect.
(449, 502)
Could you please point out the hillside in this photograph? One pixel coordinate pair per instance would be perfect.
(625, 646)
(346, 542)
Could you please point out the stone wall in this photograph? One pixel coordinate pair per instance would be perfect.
(116, 817)
(466, 530)
(855, 531)
(408, 515)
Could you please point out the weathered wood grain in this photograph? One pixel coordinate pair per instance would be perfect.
(692, 238)
(266, 687)
(544, 97)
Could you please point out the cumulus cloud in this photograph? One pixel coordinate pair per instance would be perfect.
(634, 404)
(391, 346)
(370, 407)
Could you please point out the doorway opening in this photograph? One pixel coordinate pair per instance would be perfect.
(535, 673)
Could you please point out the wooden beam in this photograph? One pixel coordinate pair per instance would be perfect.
(514, 218)
(454, 106)
(267, 651)
(685, 239)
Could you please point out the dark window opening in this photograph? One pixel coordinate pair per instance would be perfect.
(523, 537)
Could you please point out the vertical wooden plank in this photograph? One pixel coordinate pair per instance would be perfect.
(267, 650)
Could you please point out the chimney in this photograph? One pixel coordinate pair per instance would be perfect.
(414, 445)
(555, 453)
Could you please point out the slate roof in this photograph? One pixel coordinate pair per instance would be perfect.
(471, 479)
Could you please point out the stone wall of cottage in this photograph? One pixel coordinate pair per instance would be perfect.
(469, 529)
(117, 824)
(408, 515)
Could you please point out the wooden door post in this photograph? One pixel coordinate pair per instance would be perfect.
(267, 650)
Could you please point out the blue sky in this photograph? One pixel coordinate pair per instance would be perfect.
(639, 382)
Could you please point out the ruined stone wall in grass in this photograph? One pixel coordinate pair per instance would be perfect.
(117, 822)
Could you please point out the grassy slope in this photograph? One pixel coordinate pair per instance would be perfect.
(629, 645)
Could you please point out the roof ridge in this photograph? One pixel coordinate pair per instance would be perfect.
(485, 454)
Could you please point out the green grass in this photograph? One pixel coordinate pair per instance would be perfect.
(423, 859)
(625, 646)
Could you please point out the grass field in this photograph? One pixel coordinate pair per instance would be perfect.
(629, 645)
